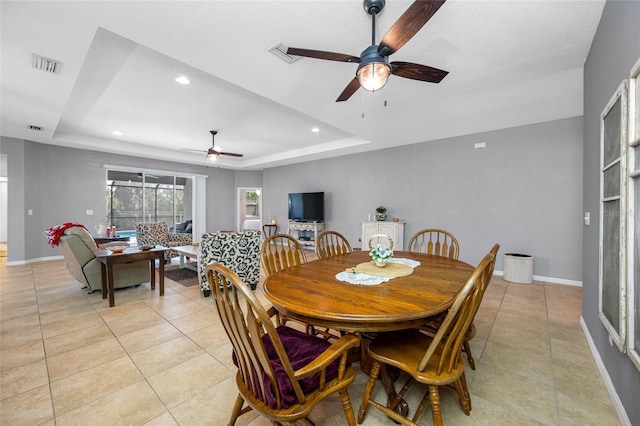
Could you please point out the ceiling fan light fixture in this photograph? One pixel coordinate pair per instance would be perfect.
(212, 156)
(374, 70)
(373, 76)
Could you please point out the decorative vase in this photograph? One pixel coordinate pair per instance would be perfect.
(380, 263)
(381, 217)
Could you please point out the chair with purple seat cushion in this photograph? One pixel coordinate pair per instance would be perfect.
(282, 373)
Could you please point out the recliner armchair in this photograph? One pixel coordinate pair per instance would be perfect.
(77, 247)
(157, 234)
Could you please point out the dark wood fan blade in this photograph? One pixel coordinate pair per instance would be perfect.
(411, 21)
(319, 54)
(418, 72)
(351, 88)
(231, 154)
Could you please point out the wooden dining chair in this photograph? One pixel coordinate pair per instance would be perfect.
(282, 373)
(331, 243)
(383, 239)
(432, 360)
(281, 251)
(435, 241)
(434, 324)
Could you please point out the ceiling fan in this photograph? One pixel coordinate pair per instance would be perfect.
(374, 68)
(215, 151)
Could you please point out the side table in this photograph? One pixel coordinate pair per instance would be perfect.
(108, 259)
(269, 229)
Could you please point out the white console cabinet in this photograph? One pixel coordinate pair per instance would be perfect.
(303, 230)
(395, 230)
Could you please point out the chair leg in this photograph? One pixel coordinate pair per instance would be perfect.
(434, 397)
(368, 391)
(346, 406)
(237, 409)
(467, 350)
(465, 401)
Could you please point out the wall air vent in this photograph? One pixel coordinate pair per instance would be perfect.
(280, 50)
(36, 128)
(46, 64)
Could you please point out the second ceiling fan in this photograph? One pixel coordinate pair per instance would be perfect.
(214, 152)
(375, 68)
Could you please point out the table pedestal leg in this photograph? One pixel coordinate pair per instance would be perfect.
(388, 375)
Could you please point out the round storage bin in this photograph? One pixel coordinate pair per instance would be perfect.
(518, 268)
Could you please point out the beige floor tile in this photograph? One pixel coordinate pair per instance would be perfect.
(77, 339)
(82, 388)
(579, 411)
(135, 404)
(204, 408)
(165, 419)
(20, 355)
(190, 323)
(165, 355)
(20, 331)
(148, 337)
(70, 323)
(210, 337)
(23, 378)
(536, 341)
(535, 365)
(129, 324)
(84, 358)
(32, 407)
(184, 381)
(529, 398)
(180, 310)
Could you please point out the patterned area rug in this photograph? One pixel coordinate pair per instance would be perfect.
(186, 277)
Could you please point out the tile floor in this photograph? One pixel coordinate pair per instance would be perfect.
(67, 358)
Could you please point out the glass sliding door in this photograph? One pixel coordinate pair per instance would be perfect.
(145, 197)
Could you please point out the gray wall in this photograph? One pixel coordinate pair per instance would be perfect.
(615, 48)
(59, 184)
(524, 191)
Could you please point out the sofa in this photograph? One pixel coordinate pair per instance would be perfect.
(77, 247)
(157, 234)
(184, 227)
(239, 251)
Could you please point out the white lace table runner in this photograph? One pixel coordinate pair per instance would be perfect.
(366, 279)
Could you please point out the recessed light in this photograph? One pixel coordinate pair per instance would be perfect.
(117, 133)
(315, 130)
(182, 80)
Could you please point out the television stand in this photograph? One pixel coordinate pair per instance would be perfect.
(296, 228)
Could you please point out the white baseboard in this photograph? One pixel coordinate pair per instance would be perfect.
(550, 280)
(39, 259)
(617, 403)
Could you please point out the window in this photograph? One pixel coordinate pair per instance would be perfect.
(613, 149)
(145, 197)
(634, 217)
(619, 301)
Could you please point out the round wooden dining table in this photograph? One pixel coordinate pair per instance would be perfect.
(311, 293)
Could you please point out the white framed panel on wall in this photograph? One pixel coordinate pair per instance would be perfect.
(633, 269)
(612, 300)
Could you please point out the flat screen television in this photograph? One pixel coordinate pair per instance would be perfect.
(306, 207)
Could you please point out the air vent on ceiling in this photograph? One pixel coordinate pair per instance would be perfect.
(46, 64)
(36, 128)
(280, 50)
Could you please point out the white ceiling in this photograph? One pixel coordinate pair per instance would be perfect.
(510, 63)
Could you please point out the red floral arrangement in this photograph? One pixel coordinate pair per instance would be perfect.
(55, 232)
